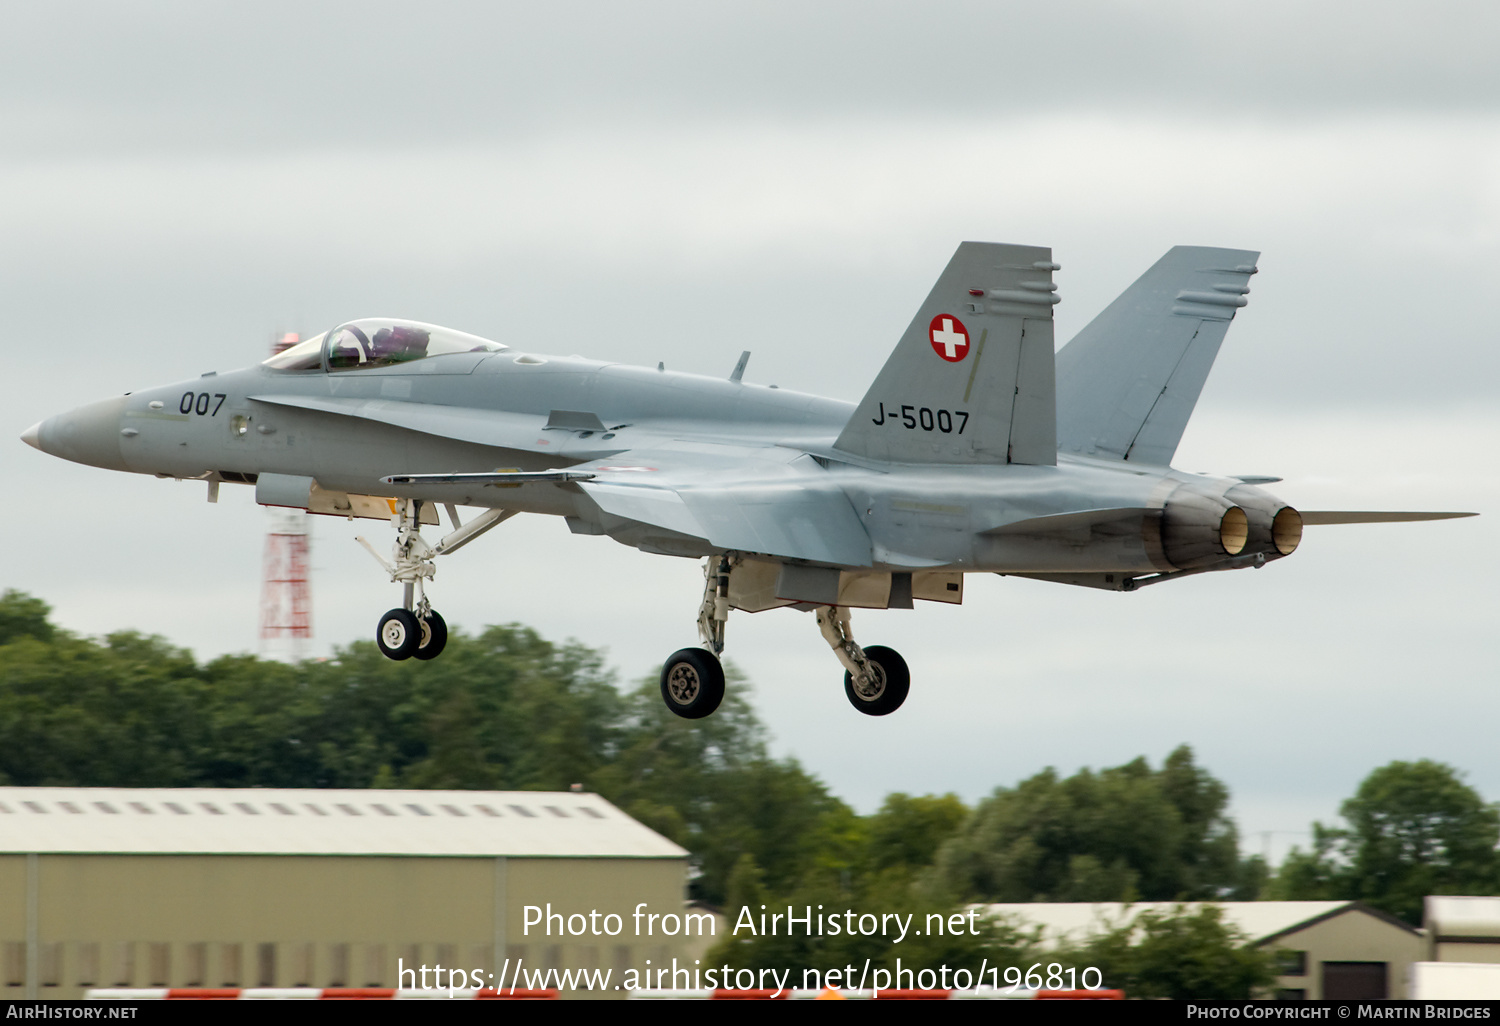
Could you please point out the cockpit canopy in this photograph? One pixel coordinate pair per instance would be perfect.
(378, 342)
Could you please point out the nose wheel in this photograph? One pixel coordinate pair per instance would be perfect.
(403, 634)
(398, 634)
(434, 636)
(416, 631)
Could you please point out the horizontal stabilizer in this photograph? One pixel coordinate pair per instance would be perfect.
(1075, 521)
(1312, 518)
(1128, 382)
(971, 380)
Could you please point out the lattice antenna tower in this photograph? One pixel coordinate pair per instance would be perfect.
(286, 591)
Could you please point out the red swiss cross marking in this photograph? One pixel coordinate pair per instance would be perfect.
(950, 339)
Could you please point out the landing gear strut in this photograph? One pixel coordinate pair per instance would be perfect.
(876, 680)
(692, 679)
(415, 630)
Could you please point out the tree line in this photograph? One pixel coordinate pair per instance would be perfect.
(507, 709)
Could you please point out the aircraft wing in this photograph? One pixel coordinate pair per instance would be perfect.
(760, 499)
(754, 499)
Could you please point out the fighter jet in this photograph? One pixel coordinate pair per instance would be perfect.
(977, 450)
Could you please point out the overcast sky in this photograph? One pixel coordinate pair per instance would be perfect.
(678, 182)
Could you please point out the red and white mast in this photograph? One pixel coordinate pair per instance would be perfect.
(285, 594)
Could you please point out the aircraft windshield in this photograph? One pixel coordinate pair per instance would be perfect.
(376, 342)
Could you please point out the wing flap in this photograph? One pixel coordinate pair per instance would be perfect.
(787, 520)
(766, 501)
(656, 507)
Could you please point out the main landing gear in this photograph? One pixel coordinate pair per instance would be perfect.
(692, 679)
(416, 630)
(876, 679)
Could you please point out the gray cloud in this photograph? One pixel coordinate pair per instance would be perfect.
(168, 77)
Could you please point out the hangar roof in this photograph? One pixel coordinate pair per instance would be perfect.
(1073, 922)
(1454, 916)
(263, 821)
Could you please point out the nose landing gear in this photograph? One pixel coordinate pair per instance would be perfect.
(416, 630)
(403, 634)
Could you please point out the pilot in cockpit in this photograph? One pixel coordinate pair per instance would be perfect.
(376, 342)
(398, 344)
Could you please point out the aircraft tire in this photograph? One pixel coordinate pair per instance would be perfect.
(398, 635)
(895, 685)
(434, 631)
(692, 683)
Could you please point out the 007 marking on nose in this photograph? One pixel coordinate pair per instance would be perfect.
(199, 402)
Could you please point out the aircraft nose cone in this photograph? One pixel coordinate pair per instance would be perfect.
(89, 434)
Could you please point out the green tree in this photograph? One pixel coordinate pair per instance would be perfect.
(907, 831)
(924, 945)
(112, 714)
(711, 786)
(21, 615)
(1180, 953)
(504, 709)
(747, 885)
(1414, 829)
(1123, 833)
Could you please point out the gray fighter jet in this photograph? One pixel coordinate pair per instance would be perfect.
(977, 450)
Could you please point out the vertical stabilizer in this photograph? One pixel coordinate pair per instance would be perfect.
(971, 380)
(1128, 382)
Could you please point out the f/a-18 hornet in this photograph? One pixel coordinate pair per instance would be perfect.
(977, 450)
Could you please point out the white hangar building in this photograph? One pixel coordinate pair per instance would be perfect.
(1328, 949)
(198, 887)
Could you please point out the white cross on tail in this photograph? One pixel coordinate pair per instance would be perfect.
(950, 340)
